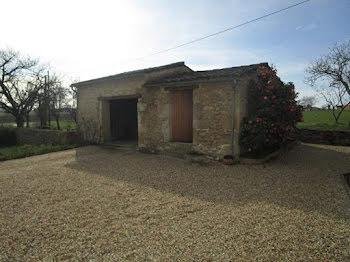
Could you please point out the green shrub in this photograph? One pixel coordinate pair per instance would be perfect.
(272, 115)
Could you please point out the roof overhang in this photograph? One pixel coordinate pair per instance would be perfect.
(134, 73)
(189, 83)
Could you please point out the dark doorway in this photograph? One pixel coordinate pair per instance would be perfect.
(123, 114)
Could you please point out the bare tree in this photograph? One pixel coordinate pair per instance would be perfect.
(333, 69)
(308, 101)
(336, 98)
(58, 94)
(20, 83)
(71, 102)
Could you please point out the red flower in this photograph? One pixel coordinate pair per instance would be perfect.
(265, 97)
(249, 149)
(273, 97)
(250, 122)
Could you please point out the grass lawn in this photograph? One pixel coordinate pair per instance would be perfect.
(324, 120)
(7, 153)
(64, 124)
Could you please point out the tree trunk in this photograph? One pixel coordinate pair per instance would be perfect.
(58, 123)
(338, 116)
(335, 116)
(20, 121)
(27, 120)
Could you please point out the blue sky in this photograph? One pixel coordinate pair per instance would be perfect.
(88, 39)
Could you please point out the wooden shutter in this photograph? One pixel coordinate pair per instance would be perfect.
(182, 116)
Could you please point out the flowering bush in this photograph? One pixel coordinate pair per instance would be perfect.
(272, 114)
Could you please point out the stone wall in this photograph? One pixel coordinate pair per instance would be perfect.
(93, 101)
(92, 106)
(154, 118)
(212, 113)
(212, 118)
(340, 138)
(42, 136)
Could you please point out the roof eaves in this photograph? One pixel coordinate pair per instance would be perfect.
(208, 76)
(129, 74)
(188, 83)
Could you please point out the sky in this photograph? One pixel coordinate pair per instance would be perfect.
(84, 39)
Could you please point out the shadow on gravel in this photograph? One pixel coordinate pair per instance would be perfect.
(306, 178)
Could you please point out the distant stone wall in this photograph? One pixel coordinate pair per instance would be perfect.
(8, 137)
(41, 136)
(339, 138)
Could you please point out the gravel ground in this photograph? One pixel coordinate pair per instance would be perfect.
(99, 204)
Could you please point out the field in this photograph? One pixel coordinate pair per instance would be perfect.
(324, 120)
(13, 152)
(66, 123)
(320, 120)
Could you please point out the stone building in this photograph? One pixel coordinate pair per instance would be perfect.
(168, 108)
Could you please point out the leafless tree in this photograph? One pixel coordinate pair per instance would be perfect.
(71, 101)
(72, 105)
(336, 98)
(308, 101)
(332, 69)
(20, 83)
(57, 97)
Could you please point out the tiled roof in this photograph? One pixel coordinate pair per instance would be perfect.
(204, 76)
(130, 73)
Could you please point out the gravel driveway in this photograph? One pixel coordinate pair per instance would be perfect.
(99, 204)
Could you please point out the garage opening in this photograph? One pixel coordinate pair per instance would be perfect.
(123, 117)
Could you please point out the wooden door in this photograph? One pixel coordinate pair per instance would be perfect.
(182, 116)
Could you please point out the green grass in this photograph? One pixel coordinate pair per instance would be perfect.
(64, 124)
(324, 120)
(13, 152)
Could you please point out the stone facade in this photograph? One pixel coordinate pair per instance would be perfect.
(93, 101)
(217, 107)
